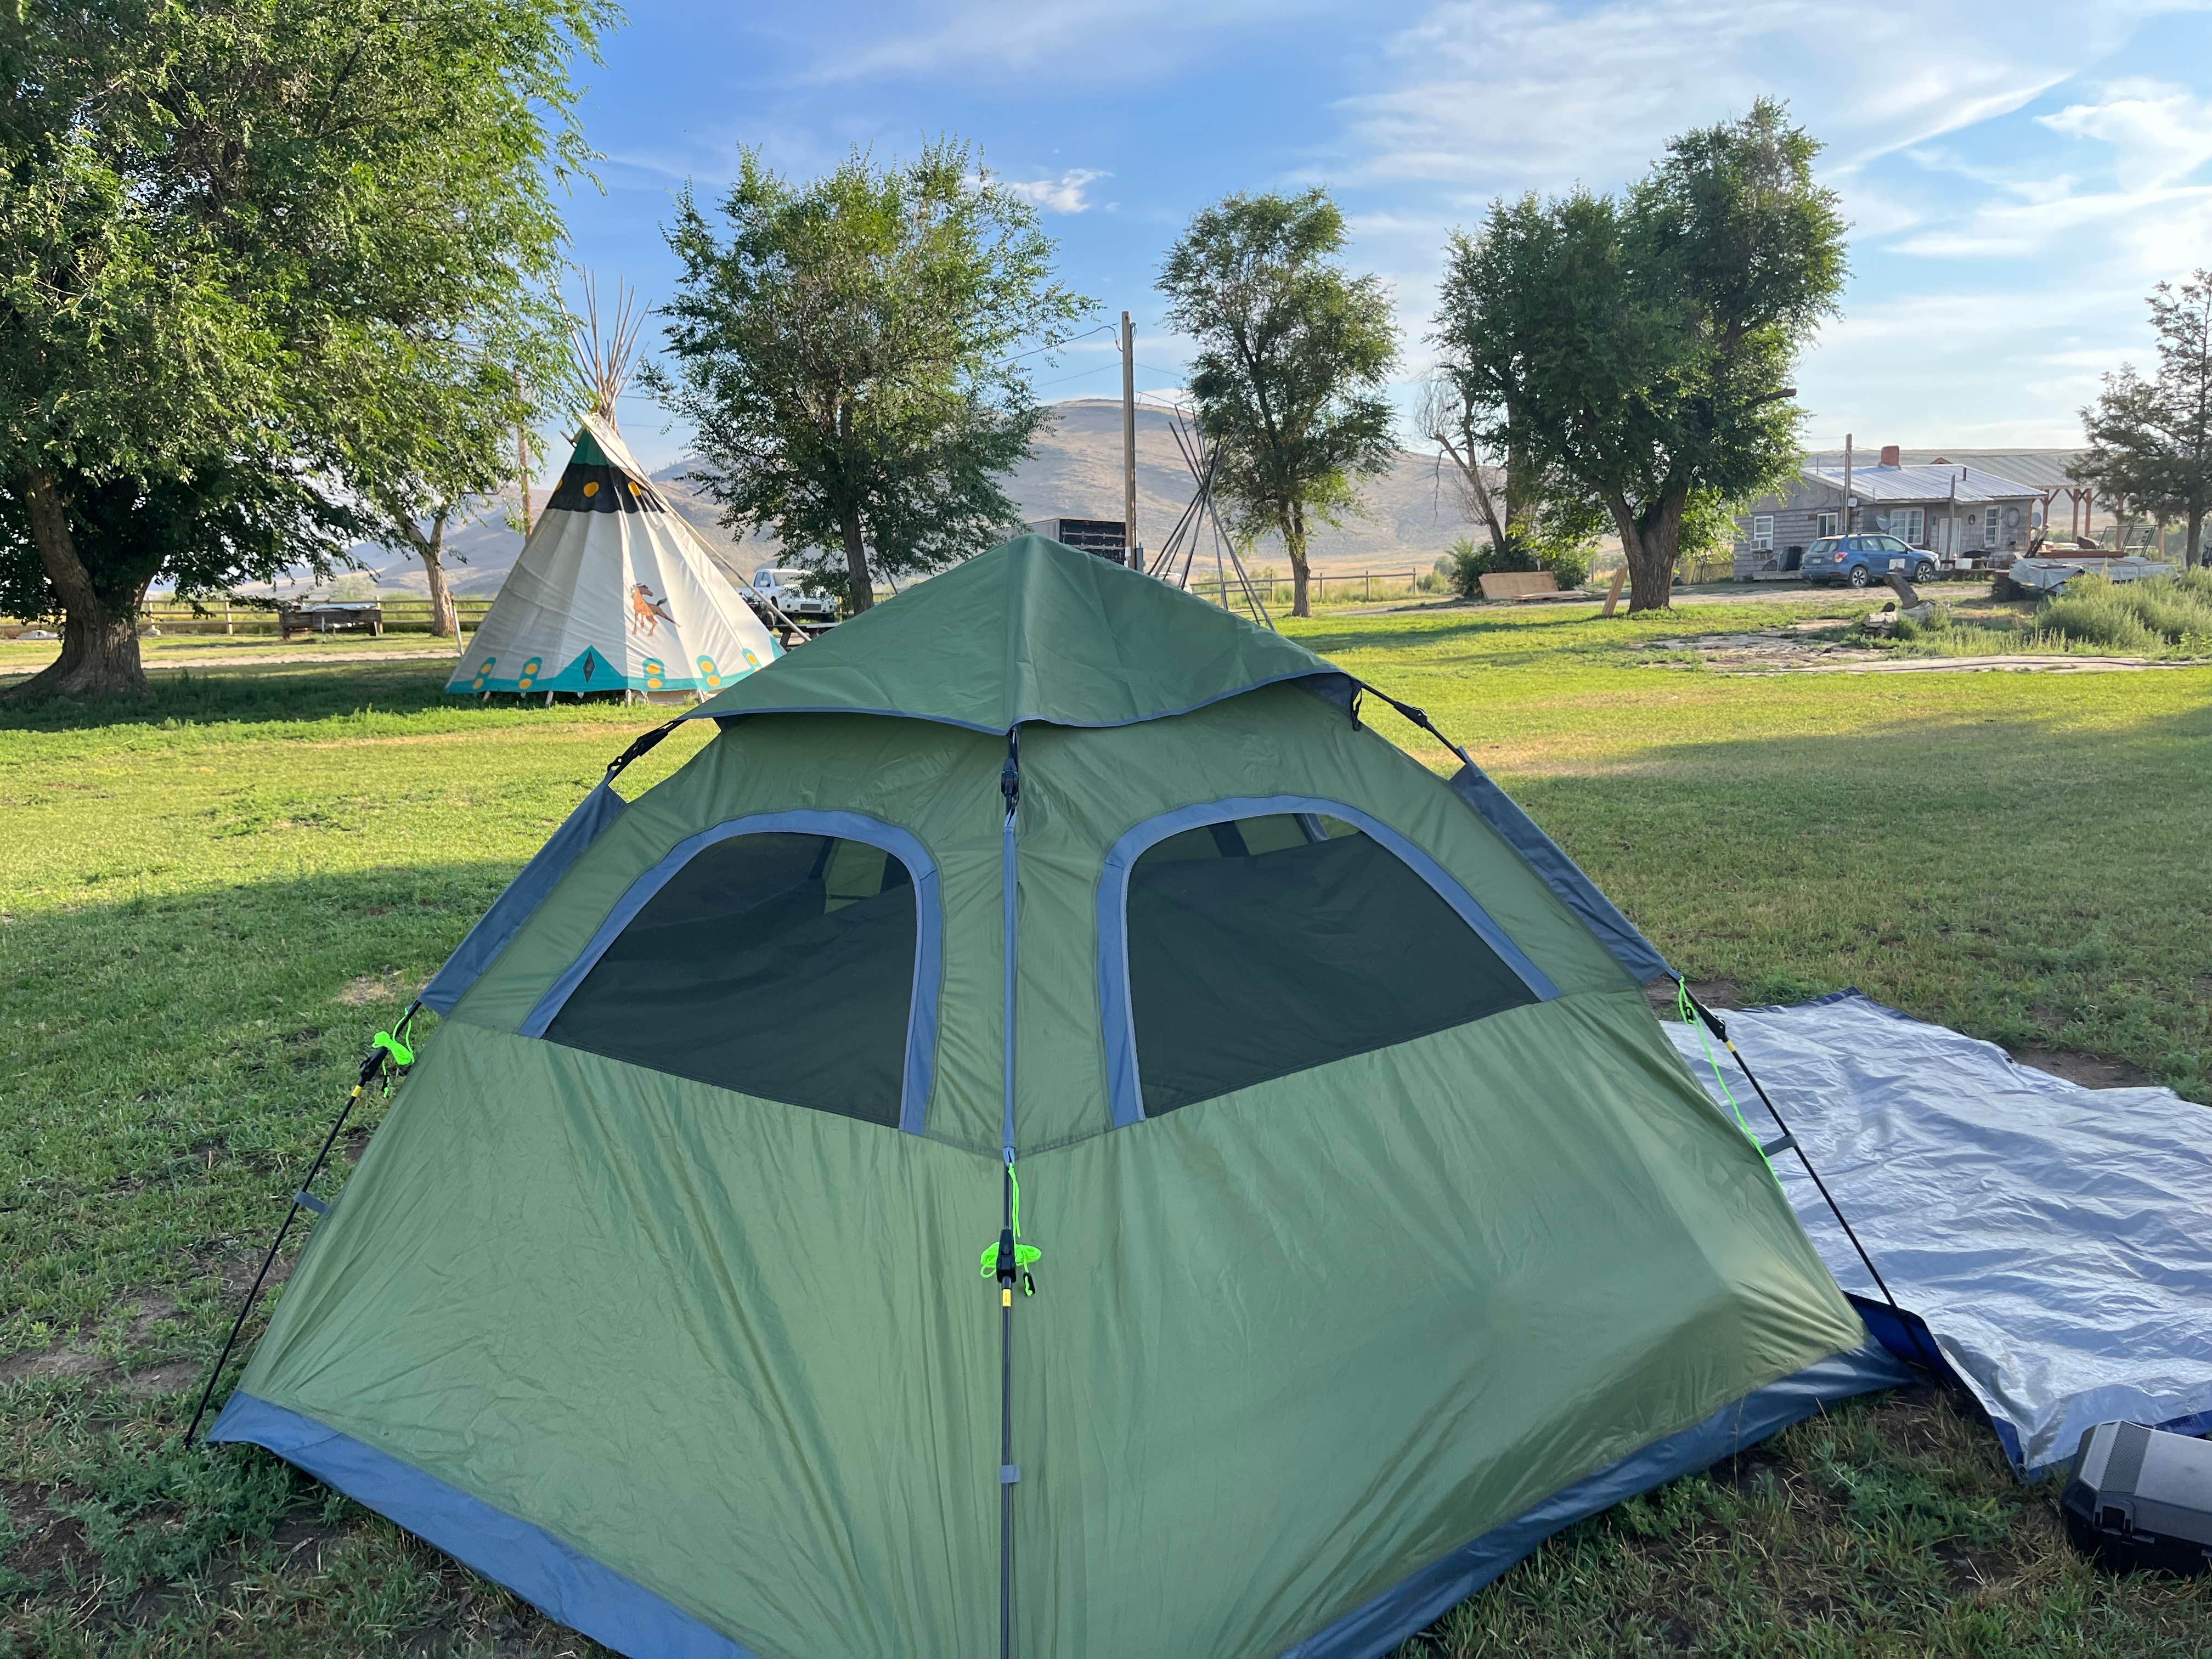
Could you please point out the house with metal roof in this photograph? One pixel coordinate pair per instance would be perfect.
(1962, 514)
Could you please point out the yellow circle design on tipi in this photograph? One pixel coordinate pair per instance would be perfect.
(591, 487)
(529, 674)
(752, 661)
(633, 487)
(708, 673)
(655, 674)
(483, 673)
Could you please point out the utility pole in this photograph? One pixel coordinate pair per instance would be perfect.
(1846, 519)
(1129, 442)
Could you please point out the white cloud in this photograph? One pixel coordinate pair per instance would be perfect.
(1932, 147)
(1129, 41)
(2125, 199)
(2159, 134)
(1064, 194)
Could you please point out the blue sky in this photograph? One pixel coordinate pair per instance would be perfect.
(2017, 175)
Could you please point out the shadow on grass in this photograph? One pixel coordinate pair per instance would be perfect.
(169, 1064)
(282, 693)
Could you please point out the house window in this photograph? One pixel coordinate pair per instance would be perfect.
(1989, 528)
(1762, 533)
(1827, 523)
(1908, 523)
(793, 958)
(1254, 939)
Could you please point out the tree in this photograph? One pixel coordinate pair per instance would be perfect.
(843, 355)
(1642, 345)
(2150, 441)
(1537, 518)
(1292, 355)
(236, 233)
(426, 457)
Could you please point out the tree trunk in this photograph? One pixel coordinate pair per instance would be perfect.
(99, 638)
(1294, 542)
(1650, 540)
(861, 592)
(2189, 553)
(444, 618)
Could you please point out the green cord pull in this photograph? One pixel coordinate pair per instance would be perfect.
(1026, 1256)
(1682, 1008)
(400, 1053)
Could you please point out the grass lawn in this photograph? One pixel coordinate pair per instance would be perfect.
(208, 901)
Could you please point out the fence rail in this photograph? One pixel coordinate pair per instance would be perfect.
(1344, 585)
(258, 615)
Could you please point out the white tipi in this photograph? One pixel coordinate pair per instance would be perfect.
(613, 592)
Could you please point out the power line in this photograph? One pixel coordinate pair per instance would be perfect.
(1069, 341)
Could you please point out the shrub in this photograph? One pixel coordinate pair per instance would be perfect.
(2140, 617)
(1471, 561)
(1938, 621)
(1571, 565)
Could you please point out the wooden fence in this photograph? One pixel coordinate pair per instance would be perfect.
(402, 615)
(1327, 586)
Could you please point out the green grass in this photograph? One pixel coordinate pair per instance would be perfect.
(209, 899)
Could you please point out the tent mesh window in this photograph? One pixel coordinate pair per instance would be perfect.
(778, 965)
(1268, 946)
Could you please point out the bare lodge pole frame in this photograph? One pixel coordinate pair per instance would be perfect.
(1129, 442)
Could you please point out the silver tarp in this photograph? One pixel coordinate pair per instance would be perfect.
(2055, 1240)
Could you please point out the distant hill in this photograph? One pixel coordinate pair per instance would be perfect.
(1407, 517)
(1074, 471)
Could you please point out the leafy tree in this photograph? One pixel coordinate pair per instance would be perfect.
(442, 441)
(843, 356)
(235, 232)
(2150, 441)
(1641, 345)
(1292, 355)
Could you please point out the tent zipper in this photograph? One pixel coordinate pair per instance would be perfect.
(1009, 788)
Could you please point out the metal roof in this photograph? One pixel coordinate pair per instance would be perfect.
(1924, 483)
(2038, 469)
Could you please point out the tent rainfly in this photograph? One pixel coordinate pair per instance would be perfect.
(1044, 909)
(613, 592)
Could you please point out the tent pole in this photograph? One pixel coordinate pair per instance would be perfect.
(1007, 1434)
(382, 1056)
(1719, 1027)
(1009, 788)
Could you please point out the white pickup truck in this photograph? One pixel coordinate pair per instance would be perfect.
(783, 589)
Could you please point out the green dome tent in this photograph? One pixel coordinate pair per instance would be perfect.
(1383, 1232)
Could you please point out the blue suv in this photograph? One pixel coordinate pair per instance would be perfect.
(1862, 561)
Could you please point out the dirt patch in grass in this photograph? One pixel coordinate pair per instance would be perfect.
(2009, 665)
(370, 989)
(1713, 993)
(2090, 1071)
(1789, 646)
(48, 1542)
(145, 1315)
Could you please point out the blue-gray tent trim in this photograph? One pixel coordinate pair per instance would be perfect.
(928, 944)
(1614, 931)
(521, 899)
(1418, 1601)
(1331, 685)
(1124, 1088)
(567, 1585)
